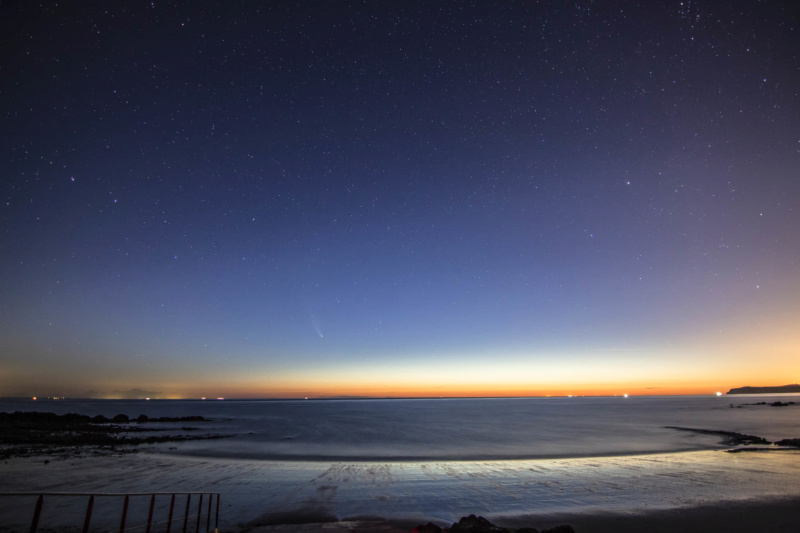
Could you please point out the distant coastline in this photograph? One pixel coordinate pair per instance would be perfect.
(765, 390)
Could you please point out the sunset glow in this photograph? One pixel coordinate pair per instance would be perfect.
(524, 199)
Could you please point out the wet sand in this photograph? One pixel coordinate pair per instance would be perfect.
(696, 491)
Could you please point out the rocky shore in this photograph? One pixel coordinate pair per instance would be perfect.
(731, 438)
(24, 434)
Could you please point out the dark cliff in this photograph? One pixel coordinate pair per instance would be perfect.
(765, 390)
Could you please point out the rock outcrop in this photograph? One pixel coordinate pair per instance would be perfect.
(478, 524)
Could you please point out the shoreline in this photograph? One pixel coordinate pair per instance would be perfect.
(729, 441)
(324, 459)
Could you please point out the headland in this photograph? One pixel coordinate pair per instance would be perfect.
(783, 389)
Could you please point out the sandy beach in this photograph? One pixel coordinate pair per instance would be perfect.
(669, 492)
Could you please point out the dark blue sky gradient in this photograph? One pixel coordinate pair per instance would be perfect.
(199, 194)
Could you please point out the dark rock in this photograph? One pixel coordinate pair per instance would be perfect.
(475, 524)
(789, 442)
(74, 418)
(565, 528)
(730, 438)
(25, 434)
(142, 418)
(427, 528)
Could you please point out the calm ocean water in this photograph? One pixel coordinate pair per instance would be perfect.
(454, 429)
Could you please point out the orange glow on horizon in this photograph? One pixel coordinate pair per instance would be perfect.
(343, 391)
(681, 370)
(234, 390)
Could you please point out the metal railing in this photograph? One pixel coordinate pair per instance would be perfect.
(188, 512)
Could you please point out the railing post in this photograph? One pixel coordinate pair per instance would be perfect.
(37, 512)
(171, 508)
(124, 514)
(150, 514)
(88, 519)
(199, 514)
(186, 516)
(208, 518)
(216, 518)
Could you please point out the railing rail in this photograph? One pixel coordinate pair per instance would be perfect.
(126, 496)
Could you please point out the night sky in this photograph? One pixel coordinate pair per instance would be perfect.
(272, 199)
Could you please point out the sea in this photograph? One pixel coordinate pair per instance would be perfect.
(436, 458)
(451, 429)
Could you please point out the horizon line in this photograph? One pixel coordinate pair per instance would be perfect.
(326, 398)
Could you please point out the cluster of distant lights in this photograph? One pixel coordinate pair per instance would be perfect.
(203, 398)
(574, 396)
(63, 398)
(306, 398)
(626, 395)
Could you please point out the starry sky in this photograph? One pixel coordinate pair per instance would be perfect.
(288, 199)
